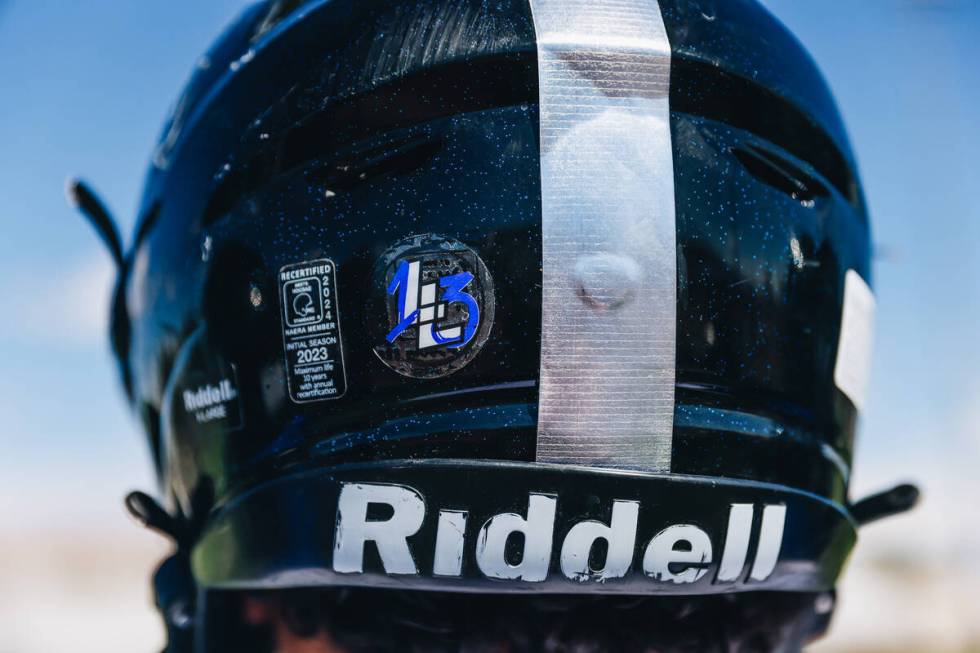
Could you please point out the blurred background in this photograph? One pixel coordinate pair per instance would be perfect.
(84, 89)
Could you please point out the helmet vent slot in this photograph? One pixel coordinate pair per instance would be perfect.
(780, 173)
(708, 92)
(328, 135)
(399, 157)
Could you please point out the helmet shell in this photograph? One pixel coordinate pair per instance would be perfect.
(335, 130)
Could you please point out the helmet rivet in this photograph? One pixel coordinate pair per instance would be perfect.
(255, 296)
(824, 603)
(607, 281)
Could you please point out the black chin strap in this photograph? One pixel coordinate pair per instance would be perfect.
(885, 504)
(84, 199)
(173, 583)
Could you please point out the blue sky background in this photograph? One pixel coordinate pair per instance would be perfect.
(84, 89)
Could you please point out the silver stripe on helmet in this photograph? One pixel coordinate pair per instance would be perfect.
(608, 232)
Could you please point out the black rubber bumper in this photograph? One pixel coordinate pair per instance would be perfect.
(381, 525)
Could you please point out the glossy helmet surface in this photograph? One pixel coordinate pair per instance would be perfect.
(634, 330)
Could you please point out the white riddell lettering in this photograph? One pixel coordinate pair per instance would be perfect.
(662, 552)
(620, 537)
(678, 554)
(209, 395)
(390, 535)
(538, 530)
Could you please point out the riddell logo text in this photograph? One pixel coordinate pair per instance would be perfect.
(210, 402)
(679, 553)
(209, 395)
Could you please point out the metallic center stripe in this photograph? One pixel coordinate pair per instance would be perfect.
(609, 258)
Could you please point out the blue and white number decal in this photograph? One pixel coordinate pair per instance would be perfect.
(440, 305)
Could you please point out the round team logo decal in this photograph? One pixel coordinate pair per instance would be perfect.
(440, 303)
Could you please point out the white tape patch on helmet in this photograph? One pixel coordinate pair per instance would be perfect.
(608, 233)
(852, 368)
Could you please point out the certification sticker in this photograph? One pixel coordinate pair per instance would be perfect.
(311, 331)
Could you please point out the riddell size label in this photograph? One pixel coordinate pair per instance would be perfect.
(311, 331)
(213, 402)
